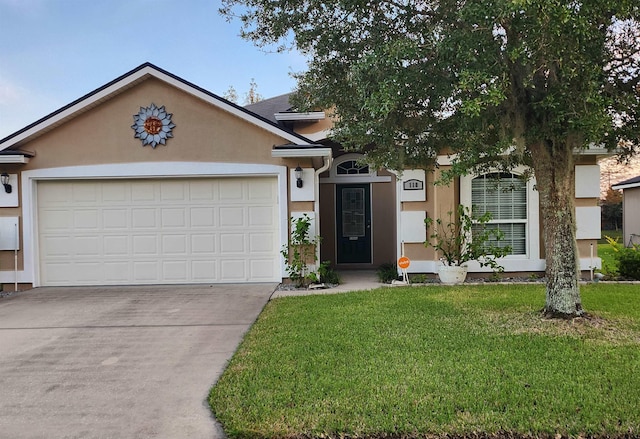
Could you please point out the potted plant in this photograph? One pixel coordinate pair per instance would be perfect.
(463, 238)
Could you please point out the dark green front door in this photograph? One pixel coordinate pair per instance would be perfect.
(353, 211)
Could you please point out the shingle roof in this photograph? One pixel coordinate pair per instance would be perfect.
(632, 182)
(267, 108)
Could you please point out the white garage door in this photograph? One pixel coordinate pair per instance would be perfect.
(120, 232)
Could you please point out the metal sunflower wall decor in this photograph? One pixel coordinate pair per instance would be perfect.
(153, 125)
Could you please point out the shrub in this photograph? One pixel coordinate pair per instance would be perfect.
(419, 278)
(387, 272)
(327, 274)
(300, 252)
(629, 262)
(628, 259)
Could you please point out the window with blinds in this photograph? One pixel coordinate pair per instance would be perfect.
(504, 195)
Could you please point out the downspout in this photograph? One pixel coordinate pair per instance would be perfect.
(327, 160)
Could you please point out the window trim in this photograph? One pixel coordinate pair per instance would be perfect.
(334, 177)
(498, 202)
(532, 244)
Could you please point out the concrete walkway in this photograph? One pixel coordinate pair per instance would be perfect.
(356, 280)
(119, 362)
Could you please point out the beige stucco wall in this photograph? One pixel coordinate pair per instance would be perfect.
(203, 133)
(306, 128)
(440, 199)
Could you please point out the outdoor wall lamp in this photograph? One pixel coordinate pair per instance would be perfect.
(298, 172)
(4, 179)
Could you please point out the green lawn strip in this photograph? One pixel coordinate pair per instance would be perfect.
(435, 360)
(609, 261)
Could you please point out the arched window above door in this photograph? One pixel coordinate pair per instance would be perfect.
(349, 168)
(352, 167)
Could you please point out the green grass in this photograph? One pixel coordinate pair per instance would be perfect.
(615, 234)
(434, 361)
(609, 261)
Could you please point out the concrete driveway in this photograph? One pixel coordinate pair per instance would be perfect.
(119, 362)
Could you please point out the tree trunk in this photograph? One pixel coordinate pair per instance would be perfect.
(555, 179)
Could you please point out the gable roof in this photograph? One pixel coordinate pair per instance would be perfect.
(128, 80)
(627, 184)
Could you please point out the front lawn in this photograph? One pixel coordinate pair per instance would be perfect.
(435, 360)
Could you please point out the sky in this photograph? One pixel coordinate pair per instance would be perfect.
(53, 52)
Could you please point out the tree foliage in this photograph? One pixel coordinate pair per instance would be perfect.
(611, 213)
(496, 83)
(251, 97)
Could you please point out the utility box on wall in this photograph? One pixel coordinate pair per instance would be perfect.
(9, 233)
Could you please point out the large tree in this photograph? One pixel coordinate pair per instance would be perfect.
(498, 83)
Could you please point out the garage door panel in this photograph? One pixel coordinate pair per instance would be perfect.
(231, 190)
(203, 190)
(58, 220)
(54, 194)
(231, 243)
(261, 216)
(88, 271)
(173, 190)
(232, 217)
(86, 219)
(146, 271)
(117, 272)
(116, 192)
(202, 217)
(263, 269)
(203, 244)
(87, 246)
(116, 245)
(261, 192)
(262, 243)
(158, 231)
(175, 245)
(55, 246)
(174, 217)
(145, 245)
(233, 270)
(175, 270)
(58, 272)
(143, 192)
(84, 193)
(115, 218)
(143, 218)
(204, 271)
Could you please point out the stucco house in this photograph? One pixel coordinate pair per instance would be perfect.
(151, 179)
(630, 209)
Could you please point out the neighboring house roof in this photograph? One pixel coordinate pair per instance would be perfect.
(627, 184)
(267, 108)
(124, 82)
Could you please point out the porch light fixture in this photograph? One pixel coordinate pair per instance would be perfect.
(298, 172)
(4, 179)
